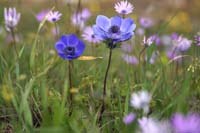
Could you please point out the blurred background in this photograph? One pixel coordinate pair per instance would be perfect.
(185, 13)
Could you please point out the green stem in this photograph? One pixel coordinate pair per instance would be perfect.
(70, 99)
(104, 88)
(14, 42)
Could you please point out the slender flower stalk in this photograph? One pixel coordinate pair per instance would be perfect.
(69, 47)
(14, 42)
(53, 17)
(56, 31)
(70, 99)
(104, 86)
(113, 31)
(11, 21)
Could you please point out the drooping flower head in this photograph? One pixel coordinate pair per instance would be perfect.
(40, 16)
(128, 119)
(124, 7)
(54, 16)
(146, 22)
(182, 44)
(115, 29)
(69, 47)
(186, 124)
(141, 100)
(11, 18)
(88, 35)
(197, 39)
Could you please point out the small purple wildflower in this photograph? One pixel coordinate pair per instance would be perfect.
(157, 40)
(69, 47)
(182, 44)
(171, 54)
(197, 39)
(130, 59)
(41, 15)
(174, 36)
(11, 18)
(53, 16)
(128, 119)
(186, 124)
(146, 22)
(89, 36)
(124, 7)
(85, 14)
(148, 41)
(127, 48)
(115, 29)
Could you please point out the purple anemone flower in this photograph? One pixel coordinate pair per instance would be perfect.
(40, 16)
(197, 39)
(11, 18)
(69, 47)
(146, 22)
(53, 16)
(89, 36)
(128, 119)
(115, 29)
(186, 124)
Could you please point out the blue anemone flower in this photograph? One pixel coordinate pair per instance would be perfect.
(69, 47)
(115, 29)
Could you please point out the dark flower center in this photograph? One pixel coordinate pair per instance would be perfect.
(114, 29)
(69, 50)
(53, 19)
(93, 36)
(123, 11)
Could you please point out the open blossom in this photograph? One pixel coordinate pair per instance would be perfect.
(40, 16)
(141, 100)
(53, 16)
(182, 44)
(150, 125)
(11, 18)
(186, 124)
(89, 36)
(128, 119)
(69, 47)
(146, 22)
(115, 29)
(124, 7)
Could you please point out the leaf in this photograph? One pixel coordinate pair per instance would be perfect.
(88, 58)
